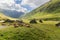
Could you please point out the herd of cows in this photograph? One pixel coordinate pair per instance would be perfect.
(19, 23)
(15, 23)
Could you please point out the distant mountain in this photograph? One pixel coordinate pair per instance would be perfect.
(4, 17)
(11, 13)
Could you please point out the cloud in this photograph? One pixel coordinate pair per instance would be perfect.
(23, 6)
(34, 3)
(11, 5)
(26, 2)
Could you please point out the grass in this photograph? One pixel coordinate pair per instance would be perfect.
(50, 13)
(40, 31)
(45, 16)
(50, 9)
(44, 31)
(4, 17)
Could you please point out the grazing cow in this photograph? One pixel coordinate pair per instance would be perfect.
(3, 24)
(27, 25)
(33, 21)
(19, 21)
(15, 25)
(58, 24)
(40, 21)
(10, 21)
(23, 24)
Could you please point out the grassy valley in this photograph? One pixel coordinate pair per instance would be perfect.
(46, 30)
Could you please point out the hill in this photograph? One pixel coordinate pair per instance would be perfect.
(10, 13)
(4, 17)
(38, 31)
(48, 11)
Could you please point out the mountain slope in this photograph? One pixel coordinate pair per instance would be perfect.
(4, 17)
(40, 31)
(12, 13)
(49, 10)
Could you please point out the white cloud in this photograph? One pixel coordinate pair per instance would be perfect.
(11, 5)
(8, 2)
(26, 2)
(34, 3)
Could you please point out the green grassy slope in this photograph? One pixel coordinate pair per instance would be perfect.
(2, 17)
(44, 31)
(50, 10)
(40, 31)
(23, 33)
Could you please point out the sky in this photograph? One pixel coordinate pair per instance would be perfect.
(21, 5)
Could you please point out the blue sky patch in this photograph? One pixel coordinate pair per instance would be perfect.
(18, 1)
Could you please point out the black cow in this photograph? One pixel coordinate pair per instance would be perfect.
(58, 24)
(19, 21)
(9, 21)
(33, 21)
(40, 21)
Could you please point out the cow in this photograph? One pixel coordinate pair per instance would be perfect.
(58, 24)
(33, 21)
(9, 21)
(15, 25)
(40, 21)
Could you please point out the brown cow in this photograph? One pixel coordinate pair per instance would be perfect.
(15, 25)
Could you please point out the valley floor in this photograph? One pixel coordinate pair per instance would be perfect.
(40, 31)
